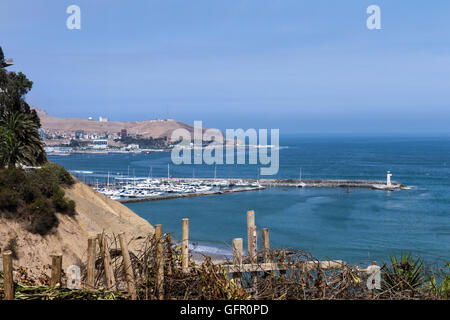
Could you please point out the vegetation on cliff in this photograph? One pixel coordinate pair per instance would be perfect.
(35, 196)
(19, 124)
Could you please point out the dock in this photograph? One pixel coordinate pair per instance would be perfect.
(188, 195)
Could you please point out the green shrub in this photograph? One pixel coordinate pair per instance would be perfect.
(61, 203)
(43, 217)
(404, 273)
(57, 174)
(13, 179)
(8, 200)
(30, 193)
(35, 196)
(441, 289)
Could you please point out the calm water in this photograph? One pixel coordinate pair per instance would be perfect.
(358, 226)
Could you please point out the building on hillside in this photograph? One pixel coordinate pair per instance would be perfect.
(79, 134)
(132, 147)
(101, 119)
(123, 133)
(100, 144)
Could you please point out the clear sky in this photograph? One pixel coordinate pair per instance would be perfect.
(301, 66)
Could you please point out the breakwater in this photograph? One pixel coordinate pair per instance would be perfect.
(316, 183)
(263, 183)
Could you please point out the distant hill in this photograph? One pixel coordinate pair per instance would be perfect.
(149, 128)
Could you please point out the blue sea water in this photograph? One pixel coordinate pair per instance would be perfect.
(363, 225)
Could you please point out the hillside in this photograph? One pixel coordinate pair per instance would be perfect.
(150, 128)
(95, 213)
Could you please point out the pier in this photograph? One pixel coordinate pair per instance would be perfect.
(317, 183)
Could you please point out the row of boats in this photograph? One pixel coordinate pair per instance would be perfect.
(143, 188)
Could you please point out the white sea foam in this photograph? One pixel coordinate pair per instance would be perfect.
(210, 250)
(82, 171)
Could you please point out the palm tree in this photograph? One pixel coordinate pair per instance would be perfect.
(20, 143)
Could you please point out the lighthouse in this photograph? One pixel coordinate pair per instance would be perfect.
(388, 178)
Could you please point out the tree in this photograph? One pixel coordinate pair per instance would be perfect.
(13, 88)
(20, 142)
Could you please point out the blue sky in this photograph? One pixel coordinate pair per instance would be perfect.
(301, 66)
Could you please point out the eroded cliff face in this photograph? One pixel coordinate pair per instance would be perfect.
(96, 213)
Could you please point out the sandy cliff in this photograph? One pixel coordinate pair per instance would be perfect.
(95, 213)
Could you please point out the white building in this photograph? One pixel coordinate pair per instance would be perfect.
(132, 147)
(100, 144)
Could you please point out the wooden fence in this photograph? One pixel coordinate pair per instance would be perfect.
(236, 269)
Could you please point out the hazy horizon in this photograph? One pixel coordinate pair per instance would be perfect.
(303, 67)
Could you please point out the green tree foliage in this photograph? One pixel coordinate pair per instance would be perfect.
(19, 138)
(145, 143)
(13, 88)
(20, 142)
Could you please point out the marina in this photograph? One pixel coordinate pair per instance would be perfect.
(152, 189)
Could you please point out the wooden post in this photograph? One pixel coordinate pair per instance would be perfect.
(185, 245)
(109, 274)
(170, 255)
(237, 259)
(159, 263)
(127, 267)
(55, 278)
(266, 244)
(91, 263)
(8, 281)
(266, 247)
(283, 261)
(251, 235)
(252, 247)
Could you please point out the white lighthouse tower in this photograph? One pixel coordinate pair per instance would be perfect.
(388, 179)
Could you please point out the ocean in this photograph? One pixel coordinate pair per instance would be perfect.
(357, 227)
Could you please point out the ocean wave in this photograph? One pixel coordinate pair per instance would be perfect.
(210, 250)
(82, 171)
